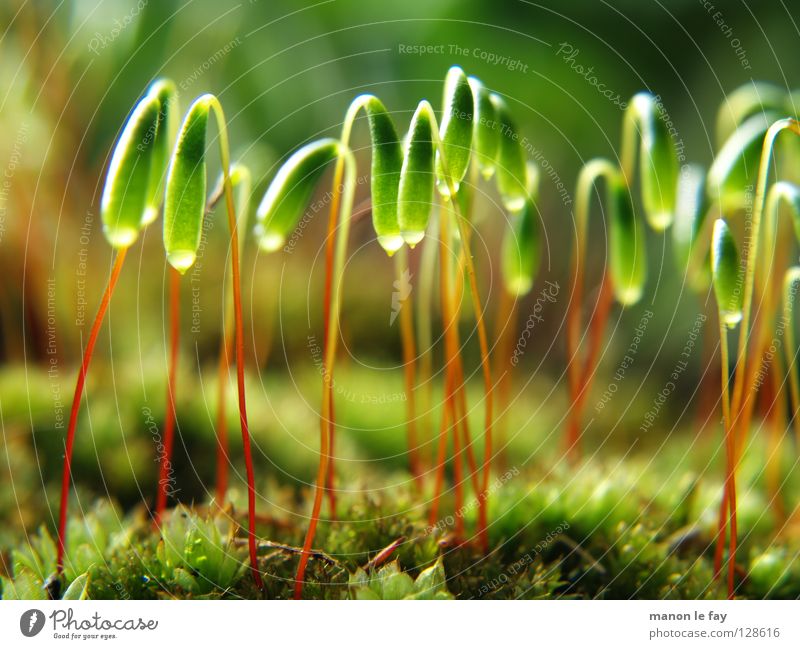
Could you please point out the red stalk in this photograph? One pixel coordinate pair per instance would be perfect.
(441, 454)
(239, 344)
(583, 380)
(322, 474)
(222, 424)
(409, 374)
(76, 403)
(333, 222)
(169, 417)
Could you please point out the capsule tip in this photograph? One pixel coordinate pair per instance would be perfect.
(628, 295)
(391, 243)
(270, 241)
(181, 260)
(121, 237)
(518, 286)
(514, 203)
(149, 215)
(660, 221)
(731, 318)
(413, 237)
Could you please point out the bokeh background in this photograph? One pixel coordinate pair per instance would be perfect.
(286, 72)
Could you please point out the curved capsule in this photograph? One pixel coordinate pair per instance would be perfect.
(185, 200)
(167, 94)
(415, 194)
(747, 100)
(125, 193)
(455, 131)
(511, 169)
(627, 258)
(690, 214)
(289, 192)
(658, 161)
(521, 251)
(786, 193)
(486, 131)
(727, 274)
(387, 160)
(733, 173)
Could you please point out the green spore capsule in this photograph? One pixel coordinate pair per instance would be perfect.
(727, 275)
(185, 200)
(387, 160)
(521, 251)
(627, 258)
(733, 173)
(166, 93)
(690, 213)
(486, 131)
(658, 161)
(125, 193)
(290, 191)
(417, 177)
(455, 132)
(750, 99)
(511, 172)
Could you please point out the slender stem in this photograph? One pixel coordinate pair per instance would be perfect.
(776, 428)
(730, 452)
(706, 405)
(591, 172)
(165, 466)
(330, 247)
(76, 403)
(504, 332)
(462, 421)
(455, 384)
(225, 352)
(241, 176)
(424, 321)
(441, 454)
(239, 338)
(460, 390)
(449, 326)
(409, 363)
(722, 524)
(458, 474)
(597, 326)
(328, 360)
(790, 349)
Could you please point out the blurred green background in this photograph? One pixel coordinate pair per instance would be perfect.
(285, 72)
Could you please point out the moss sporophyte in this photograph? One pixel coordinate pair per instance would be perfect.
(423, 188)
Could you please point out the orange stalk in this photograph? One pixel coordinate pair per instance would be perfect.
(76, 403)
(441, 456)
(409, 370)
(239, 346)
(505, 329)
(165, 465)
(329, 416)
(225, 352)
